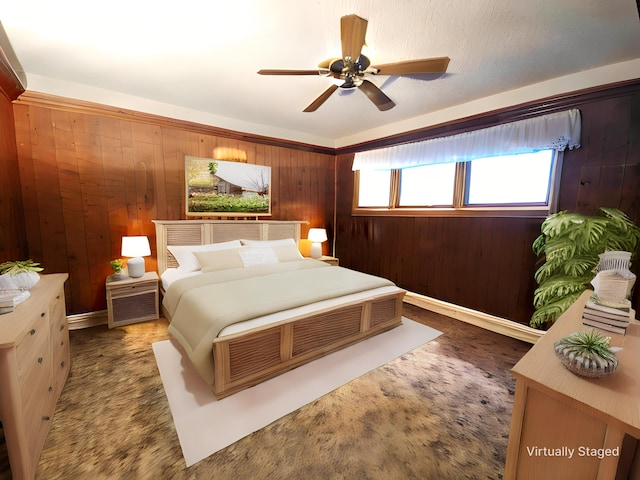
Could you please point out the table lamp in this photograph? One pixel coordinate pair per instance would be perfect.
(135, 247)
(316, 237)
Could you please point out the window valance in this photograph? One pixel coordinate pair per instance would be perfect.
(557, 130)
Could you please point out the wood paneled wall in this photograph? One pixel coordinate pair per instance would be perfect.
(90, 175)
(487, 263)
(13, 244)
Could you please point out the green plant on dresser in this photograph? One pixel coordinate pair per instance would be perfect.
(19, 266)
(569, 245)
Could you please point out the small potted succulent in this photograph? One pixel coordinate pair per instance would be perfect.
(117, 265)
(587, 353)
(19, 274)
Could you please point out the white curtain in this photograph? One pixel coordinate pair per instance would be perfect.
(557, 130)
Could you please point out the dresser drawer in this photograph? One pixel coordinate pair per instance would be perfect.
(133, 289)
(57, 309)
(39, 403)
(36, 375)
(33, 345)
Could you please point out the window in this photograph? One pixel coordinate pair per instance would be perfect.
(427, 185)
(375, 188)
(523, 179)
(522, 183)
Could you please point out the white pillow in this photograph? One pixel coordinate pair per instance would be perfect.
(213, 261)
(258, 256)
(188, 262)
(287, 253)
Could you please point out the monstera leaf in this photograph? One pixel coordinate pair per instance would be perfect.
(559, 286)
(550, 312)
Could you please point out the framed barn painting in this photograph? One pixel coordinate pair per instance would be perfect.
(226, 189)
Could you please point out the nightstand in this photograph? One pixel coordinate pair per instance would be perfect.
(330, 260)
(132, 300)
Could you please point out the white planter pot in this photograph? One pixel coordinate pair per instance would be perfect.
(7, 282)
(26, 280)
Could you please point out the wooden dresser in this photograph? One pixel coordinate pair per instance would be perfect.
(34, 365)
(564, 426)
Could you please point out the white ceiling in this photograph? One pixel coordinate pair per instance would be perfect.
(198, 60)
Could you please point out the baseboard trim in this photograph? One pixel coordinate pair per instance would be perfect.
(86, 320)
(474, 317)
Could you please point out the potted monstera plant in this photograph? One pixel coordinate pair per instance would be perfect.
(19, 274)
(569, 246)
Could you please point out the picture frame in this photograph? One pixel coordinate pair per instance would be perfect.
(220, 188)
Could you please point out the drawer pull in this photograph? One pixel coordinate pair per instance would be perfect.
(33, 331)
(50, 389)
(61, 327)
(39, 359)
(42, 314)
(46, 417)
(62, 364)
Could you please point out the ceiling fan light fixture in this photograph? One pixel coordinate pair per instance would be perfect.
(348, 66)
(362, 63)
(347, 74)
(351, 81)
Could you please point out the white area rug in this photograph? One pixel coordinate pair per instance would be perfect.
(206, 425)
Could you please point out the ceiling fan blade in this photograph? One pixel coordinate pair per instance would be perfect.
(321, 71)
(321, 99)
(426, 65)
(352, 33)
(376, 96)
(327, 63)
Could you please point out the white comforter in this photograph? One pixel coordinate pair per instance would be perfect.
(201, 306)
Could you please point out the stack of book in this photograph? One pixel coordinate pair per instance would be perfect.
(10, 299)
(609, 316)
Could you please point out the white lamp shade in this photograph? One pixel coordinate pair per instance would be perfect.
(135, 246)
(317, 235)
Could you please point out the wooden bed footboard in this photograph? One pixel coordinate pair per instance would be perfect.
(246, 359)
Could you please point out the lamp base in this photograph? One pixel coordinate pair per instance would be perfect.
(316, 250)
(135, 267)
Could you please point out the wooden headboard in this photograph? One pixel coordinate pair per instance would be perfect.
(201, 232)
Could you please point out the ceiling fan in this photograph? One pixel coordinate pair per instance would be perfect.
(353, 67)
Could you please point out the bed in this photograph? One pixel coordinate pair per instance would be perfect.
(246, 306)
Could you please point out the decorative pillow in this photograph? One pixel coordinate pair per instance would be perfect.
(184, 254)
(258, 256)
(287, 253)
(215, 260)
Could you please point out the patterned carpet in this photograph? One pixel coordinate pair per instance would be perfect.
(441, 411)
